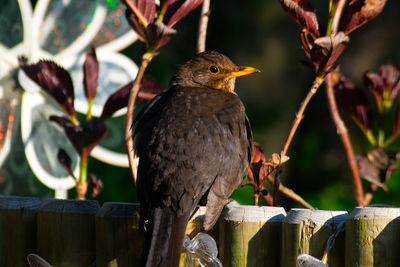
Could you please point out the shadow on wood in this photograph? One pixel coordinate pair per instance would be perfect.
(17, 229)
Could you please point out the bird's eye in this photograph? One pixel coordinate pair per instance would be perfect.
(213, 69)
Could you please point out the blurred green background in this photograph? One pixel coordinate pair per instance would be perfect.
(259, 33)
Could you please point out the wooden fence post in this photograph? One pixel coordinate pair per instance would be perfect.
(119, 240)
(17, 229)
(373, 237)
(66, 232)
(307, 231)
(250, 235)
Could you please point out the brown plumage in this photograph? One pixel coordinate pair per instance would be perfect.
(192, 139)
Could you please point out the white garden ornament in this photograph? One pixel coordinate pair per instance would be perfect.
(60, 30)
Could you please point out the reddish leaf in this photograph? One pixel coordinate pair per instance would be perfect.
(385, 85)
(140, 13)
(257, 164)
(390, 75)
(354, 101)
(158, 34)
(54, 80)
(116, 101)
(177, 9)
(90, 74)
(377, 166)
(302, 13)
(359, 12)
(258, 153)
(65, 160)
(374, 84)
(95, 183)
(62, 121)
(83, 137)
(135, 25)
(307, 43)
(144, 10)
(326, 50)
(148, 89)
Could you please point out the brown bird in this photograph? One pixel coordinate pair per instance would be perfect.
(193, 139)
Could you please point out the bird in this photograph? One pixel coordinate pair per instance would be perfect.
(194, 140)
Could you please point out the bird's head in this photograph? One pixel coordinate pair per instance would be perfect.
(210, 69)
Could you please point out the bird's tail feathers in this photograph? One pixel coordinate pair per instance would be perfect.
(164, 238)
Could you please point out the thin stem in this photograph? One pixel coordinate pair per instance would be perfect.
(290, 193)
(81, 186)
(340, 126)
(83, 170)
(370, 194)
(89, 112)
(344, 137)
(338, 14)
(205, 14)
(252, 183)
(391, 139)
(367, 132)
(370, 137)
(146, 58)
(332, 10)
(73, 119)
(381, 137)
(300, 114)
(163, 10)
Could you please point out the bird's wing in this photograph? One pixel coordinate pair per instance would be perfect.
(143, 125)
(232, 175)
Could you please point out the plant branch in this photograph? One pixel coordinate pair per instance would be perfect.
(146, 58)
(337, 16)
(340, 126)
(290, 193)
(370, 194)
(344, 137)
(300, 113)
(205, 14)
(81, 186)
(253, 184)
(391, 139)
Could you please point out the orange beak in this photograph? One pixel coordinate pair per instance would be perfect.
(243, 71)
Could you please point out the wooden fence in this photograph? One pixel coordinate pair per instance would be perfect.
(77, 233)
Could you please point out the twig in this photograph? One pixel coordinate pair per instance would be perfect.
(147, 57)
(340, 126)
(338, 15)
(300, 114)
(370, 194)
(290, 193)
(344, 137)
(205, 14)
